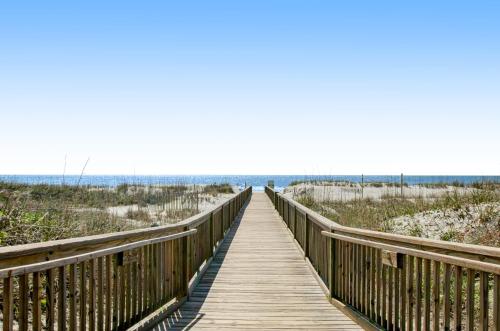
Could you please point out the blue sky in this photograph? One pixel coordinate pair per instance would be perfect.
(254, 87)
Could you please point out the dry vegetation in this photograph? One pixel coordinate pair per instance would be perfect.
(458, 213)
(34, 213)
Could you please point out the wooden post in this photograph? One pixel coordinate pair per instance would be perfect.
(331, 268)
(306, 239)
(295, 222)
(212, 234)
(186, 259)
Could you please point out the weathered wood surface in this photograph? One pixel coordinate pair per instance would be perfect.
(258, 280)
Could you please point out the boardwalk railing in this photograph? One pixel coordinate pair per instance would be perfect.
(398, 282)
(111, 281)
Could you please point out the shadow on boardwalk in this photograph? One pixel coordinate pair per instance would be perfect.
(185, 319)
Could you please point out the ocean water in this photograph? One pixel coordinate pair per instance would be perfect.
(256, 181)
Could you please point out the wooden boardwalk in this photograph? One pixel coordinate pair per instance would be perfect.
(258, 280)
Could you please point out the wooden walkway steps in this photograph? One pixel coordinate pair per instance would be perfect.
(258, 280)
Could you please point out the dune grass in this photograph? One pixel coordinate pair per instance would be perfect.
(379, 214)
(34, 213)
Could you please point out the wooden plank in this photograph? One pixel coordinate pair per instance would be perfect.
(73, 279)
(411, 293)
(446, 297)
(390, 298)
(83, 296)
(397, 297)
(385, 320)
(496, 302)
(134, 290)
(100, 294)
(436, 294)
(51, 300)
(122, 290)
(37, 302)
(483, 301)
(109, 292)
(470, 299)
(379, 288)
(8, 304)
(140, 282)
(331, 267)
(61, 301)
(92, 295)
(116, 292)
(427, 295)
(23, 302)
(457, 307)
(146, 266)
(404, 296)
(418, 288)
(128, 292)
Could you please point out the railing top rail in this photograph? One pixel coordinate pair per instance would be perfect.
(103, 240)
(463, 262)
(40, 266)
(420, 243)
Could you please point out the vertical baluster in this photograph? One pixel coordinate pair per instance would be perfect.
(83, 297)
(331, 267)
(496, 302)
(427, 295)
(436, 279)
(362, 283)
(384, 297)
(37, 302)
(390, 285)
(100, 294)
(121, 286)
(397, 297)
(61, 302)
(51, 300)
(109, 290)
(134, 290)
(92, 295)
(23, 302)
(73, 276)
(128, 292)
(457, 315)
(404, 295)
(8, 304)
(146, 278)
(447, 299)
(379, 288)
(116, 293)
(373, 261)
(483, 301)
(470, 299)
(418, 288)
(411, 293)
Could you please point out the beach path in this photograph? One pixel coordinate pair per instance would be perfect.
(258, 280)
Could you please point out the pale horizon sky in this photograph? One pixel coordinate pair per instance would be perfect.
(250, 87)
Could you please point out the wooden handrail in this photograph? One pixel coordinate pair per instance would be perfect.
(466, 263)
(398, 282)
(42, 266)
(110, 281)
